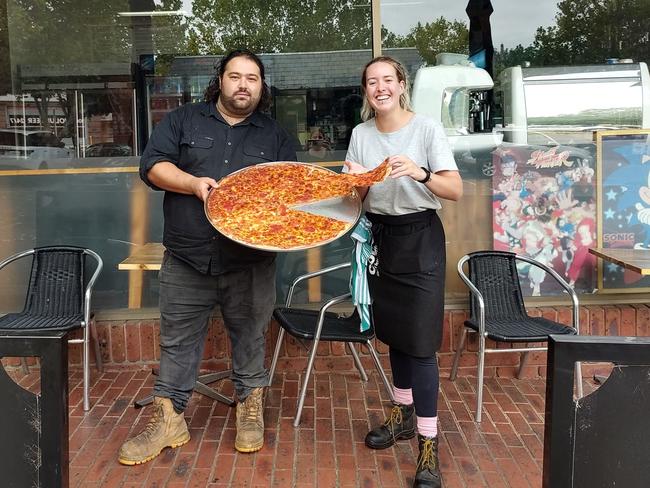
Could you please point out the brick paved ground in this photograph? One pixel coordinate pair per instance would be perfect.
(326, 451)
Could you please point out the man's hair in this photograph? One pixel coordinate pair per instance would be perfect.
(213, 90)
(405, 98)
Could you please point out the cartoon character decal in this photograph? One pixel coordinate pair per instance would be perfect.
(626, 205)
(544, 207)
(643, 215)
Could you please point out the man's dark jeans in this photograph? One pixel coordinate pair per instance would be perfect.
(187, 299)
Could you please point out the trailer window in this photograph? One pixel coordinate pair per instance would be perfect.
(584, 103)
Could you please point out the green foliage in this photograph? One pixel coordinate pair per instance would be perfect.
(64, 33)
(588, 32)
(512, 57)
(5, 67)
(67, 31)
(270, 26)
(592, 31)
(91, 31)
(432, 38)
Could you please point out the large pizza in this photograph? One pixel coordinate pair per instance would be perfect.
(258, 206)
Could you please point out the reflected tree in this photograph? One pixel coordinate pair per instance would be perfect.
(167, 35)
(519, 55)
(5, 68)
(273, 26)
(68, 31)
(68, 41)
(62, 33)
(588, 32)
(432, 38)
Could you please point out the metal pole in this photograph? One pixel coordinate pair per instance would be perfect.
(375, 12)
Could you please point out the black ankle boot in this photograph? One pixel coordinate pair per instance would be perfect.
(427, 474)
(399, 425)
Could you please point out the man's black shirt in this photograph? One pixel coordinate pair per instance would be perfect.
(197, 139)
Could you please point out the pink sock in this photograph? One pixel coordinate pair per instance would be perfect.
(428, 426)
(405, 397)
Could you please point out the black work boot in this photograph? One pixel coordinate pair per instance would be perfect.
(399, 425)
(427, 474)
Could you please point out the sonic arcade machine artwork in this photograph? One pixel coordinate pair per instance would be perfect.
(623, 158)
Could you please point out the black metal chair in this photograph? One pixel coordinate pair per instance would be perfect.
(498, 312)
(321, 325)
(58, 298)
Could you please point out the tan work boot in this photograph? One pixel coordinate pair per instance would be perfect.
(250, 422)
(166, 428)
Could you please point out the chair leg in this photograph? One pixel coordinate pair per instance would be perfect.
(384, 378)
(276, 354)
(24, 365)
(86, 367)
(579, 379)
(481, 367)
(97, 350)
(357, 361)
(459, 350)
(522, 363)
(305, 383)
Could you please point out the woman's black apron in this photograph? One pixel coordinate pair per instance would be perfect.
(406, 276)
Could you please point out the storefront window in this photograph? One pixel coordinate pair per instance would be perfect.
(520, 89)
(84, 83)
(69, 91)
(582, 70)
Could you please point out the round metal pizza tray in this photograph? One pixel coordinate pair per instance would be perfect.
(346, 209)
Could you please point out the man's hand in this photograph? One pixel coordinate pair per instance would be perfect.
(169, 177)
(201, 186)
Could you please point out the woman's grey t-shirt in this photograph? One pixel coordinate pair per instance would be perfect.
(423, 140)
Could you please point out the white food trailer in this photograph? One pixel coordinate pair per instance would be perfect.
(547, 106)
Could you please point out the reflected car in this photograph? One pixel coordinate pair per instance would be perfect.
(31, 149)
(473, 152)
(108, 149)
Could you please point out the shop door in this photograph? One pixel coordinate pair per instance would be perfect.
(108, 123)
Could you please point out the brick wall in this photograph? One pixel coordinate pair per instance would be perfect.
(136, 342)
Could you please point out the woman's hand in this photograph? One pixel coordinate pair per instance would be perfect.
(445, 184)
(403, 166)
(354, 168)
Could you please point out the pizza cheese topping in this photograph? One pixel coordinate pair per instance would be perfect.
(254, 206)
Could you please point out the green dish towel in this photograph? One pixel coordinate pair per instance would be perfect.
(362, 237)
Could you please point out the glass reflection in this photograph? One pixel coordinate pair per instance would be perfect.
(602, 103)
(83, 83)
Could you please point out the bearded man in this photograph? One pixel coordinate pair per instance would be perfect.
(189, 151)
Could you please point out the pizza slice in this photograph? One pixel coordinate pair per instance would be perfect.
(369, 178)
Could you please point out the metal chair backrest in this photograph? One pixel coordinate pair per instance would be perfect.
(56, 283)
(495, 275)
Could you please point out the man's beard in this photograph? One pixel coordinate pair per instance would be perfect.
(239, 107)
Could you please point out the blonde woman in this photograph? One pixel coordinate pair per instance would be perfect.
(407, 286)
